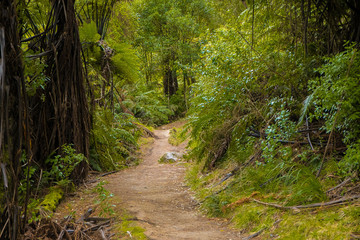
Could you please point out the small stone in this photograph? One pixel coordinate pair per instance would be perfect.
(170, 157)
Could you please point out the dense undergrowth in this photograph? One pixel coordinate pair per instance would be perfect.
(272, 123)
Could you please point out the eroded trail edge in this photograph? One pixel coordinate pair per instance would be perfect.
(157, 195)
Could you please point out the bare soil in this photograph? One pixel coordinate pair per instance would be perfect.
(157, 196)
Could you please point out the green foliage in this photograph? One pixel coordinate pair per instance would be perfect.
(104, 200)
(88, 32)
(123, 23)
(337, 94)
(251, 84)
(114, 138)
(350, 164)
(58, 171)
(253, 218)
(178, 135)
(44, 207)
(129, 230)
(62, 166)
(148, 106)
(52, 199)
(35, 77)
(336, 223)
(125, 62)
(24, 182)
(167, 38)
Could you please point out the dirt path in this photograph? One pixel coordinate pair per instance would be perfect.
(156, 194)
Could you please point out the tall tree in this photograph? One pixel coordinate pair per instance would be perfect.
(168, 29)
(61, 114)
(13, 117)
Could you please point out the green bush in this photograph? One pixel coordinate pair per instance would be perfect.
(63, 165)
(336, 94)
(113, 139)
(350, 164)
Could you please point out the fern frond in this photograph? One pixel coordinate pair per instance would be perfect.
(306, 106)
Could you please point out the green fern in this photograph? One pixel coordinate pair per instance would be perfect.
(114, 139)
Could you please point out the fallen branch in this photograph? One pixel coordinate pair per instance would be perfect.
(108, 173)
(233, 172)
(85, 215)
(228, 175)
(254, 235)
(147, 131)
(93, 228)
(63, 231)
(102, 233)
(96, 219)
(340, 185)
(313, 205)
(355, 235)
(238, 202)
(238, 168)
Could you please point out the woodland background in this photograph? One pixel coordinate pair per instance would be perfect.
(270, 90)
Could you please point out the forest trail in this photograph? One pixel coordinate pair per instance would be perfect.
(157, 196)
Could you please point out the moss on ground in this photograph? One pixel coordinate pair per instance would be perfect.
(127, 229)
(232, 201)
(52, 199)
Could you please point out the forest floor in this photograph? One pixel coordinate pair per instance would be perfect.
(156, 197)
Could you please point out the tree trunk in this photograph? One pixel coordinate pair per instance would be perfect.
(12, 118)
(63, 116)
(170, 81)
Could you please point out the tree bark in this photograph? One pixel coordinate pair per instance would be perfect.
(170, 81)
(63, 115)
(12, 118)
